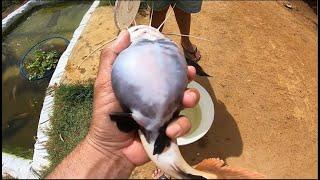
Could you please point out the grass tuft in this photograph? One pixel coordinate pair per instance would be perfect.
(18, 151)
(70, 121)
(107, 3)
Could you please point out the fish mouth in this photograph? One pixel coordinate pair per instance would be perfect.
(140, 32)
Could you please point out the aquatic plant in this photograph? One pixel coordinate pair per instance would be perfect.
(43, 62)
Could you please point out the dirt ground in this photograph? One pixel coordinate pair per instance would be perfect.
(264, 85)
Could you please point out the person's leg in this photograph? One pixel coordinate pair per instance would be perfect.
(184, 22)
(158, 17)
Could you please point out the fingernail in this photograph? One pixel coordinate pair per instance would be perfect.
(176, 130)
(192, 95)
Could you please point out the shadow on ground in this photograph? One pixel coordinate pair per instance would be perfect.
(223, 139)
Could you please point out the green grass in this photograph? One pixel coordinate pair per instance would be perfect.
(107, 3)
(18, 151)
(70, 121)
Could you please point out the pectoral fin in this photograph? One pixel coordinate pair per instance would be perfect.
(125, 121)
(162, 141)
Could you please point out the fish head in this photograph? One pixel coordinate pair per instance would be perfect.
(137, 33)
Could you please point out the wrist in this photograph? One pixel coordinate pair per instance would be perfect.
(117, 165)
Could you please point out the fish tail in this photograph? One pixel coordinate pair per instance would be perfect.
(168, 158)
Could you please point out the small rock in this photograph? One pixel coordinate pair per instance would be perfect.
(287, 4)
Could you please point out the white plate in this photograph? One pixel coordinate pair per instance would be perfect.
(125, 12)
(203, 112)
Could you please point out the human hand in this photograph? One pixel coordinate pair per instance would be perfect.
(104, 134)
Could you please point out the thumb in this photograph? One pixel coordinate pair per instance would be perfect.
(109, 54)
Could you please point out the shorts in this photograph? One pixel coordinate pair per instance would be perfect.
(188, 6)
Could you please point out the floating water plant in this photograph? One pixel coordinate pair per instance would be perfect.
(44, 61)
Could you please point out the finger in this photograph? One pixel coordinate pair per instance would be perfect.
(179, 127)
(109, 54)
(191, 98)
(191, 73)
(136, 153)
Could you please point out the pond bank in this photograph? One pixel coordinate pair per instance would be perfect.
(39, 156)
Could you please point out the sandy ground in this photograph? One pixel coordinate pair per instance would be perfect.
(264, 85)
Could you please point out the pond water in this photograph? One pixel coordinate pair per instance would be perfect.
(21, 99)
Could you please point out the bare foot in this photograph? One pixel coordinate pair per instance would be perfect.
(158, 174)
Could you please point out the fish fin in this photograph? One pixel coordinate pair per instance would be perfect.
(171, 161)
(162, 141)
(124, 121)
(176, 114)
(218, 167)
(199, 70)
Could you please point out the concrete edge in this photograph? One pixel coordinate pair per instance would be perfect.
(15, 166)
(40, 155)
(12, 17)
